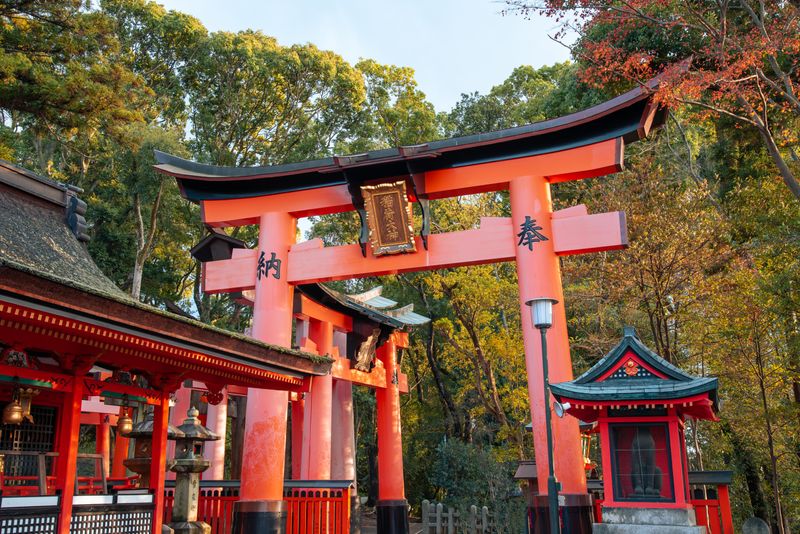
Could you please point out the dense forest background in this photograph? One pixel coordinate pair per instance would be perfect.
(710, 280)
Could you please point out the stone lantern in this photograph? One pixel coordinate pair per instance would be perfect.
(189, 463)
(142, 432)
(641, 403)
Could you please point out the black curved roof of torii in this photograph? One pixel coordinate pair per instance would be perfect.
(628, 116)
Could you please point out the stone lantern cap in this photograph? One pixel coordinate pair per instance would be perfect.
(144, 429)
(193, 430)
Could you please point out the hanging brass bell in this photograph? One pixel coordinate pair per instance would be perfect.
(124, 423)
(13, 413)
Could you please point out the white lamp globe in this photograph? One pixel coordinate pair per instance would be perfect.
(542, 311)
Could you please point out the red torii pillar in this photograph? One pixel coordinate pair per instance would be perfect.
(67, 465)
(217, 422)
(298, 402)
(103, 442)
(183, 401)
(539, 275)
(261, 507)
(121, 443)
(318, 409)
(343, 443)
(392, 508)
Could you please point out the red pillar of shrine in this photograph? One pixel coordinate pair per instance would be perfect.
(299, 445)
(121, 444)
(217, 422)
(318, 408)
(298, 420)
(343, 440)
(158, 461)
(261, 507)
(392, 508)
(69, 434)
(103, 442)
(539, 275)
(343, 462)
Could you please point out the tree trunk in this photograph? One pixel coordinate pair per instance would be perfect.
(372, 463)
(412, 360)
(772, 148)
(775, 153)
(145, 239)
(796, 392)
(793, 346)
(744, 459)
(698, 453)
(776, 488)
(451, 411)
(136, 280)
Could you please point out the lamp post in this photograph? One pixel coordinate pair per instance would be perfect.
(542, 318)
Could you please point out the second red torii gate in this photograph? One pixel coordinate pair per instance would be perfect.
(524, 161)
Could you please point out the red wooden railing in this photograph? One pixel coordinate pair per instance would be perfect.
(314, 510)
(313, 506)
(715, 513)
(712, 506)
(215, 507)
(44, 481)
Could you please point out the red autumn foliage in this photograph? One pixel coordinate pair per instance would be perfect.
(745, 58)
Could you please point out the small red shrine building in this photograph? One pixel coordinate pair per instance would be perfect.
(640, 403)
(72, 343)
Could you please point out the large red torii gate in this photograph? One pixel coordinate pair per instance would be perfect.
(523, 160)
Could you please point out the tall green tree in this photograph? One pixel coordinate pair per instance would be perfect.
(52, 48)
(255, 102)
(528, 95)
(395, 111)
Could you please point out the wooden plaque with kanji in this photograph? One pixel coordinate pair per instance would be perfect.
(389, 218)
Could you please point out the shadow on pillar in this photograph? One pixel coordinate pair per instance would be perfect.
(392, 517)
(574, 510)
(262, 517)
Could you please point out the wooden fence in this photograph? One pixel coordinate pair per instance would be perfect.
(440, 519)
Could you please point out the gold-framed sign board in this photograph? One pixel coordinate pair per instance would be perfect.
(389, 218)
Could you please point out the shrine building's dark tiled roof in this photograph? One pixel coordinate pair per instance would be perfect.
(608, 381)
(34, 233)
(43, 235)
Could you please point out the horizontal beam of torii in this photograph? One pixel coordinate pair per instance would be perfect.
(574, 232)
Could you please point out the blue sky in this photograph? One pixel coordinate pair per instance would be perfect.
(455, 46)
